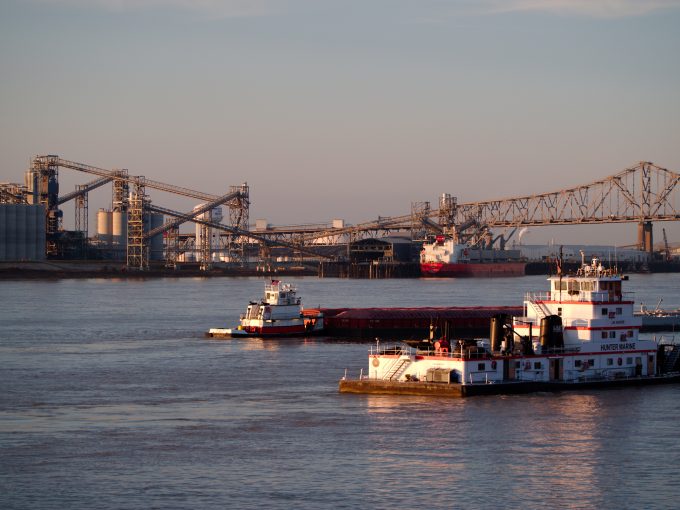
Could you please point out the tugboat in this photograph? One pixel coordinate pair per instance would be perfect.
(582, 333)
(279, 313)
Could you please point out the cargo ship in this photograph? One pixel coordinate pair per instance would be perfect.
(444, 257)
(581, 333)
(279, 313)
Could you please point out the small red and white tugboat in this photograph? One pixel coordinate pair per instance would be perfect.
(582, 333)
(279, 313)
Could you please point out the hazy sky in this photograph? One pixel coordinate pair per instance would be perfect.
(343, 109)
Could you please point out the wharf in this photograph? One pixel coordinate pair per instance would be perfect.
(404, 323)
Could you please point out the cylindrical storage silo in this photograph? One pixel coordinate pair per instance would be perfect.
(156, 242)
(119, 228)
(104, 226)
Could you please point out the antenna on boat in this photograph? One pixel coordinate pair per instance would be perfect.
(559, 270)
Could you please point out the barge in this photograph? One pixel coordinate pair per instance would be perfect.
(582, 333)
(414, 322)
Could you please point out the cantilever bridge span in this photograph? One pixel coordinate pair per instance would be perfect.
(642, 194)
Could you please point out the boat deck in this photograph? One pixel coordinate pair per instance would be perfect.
(436, 389)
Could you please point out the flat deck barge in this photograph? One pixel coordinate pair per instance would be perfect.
(403, 323)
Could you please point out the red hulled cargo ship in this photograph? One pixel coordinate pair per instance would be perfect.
(443, 257)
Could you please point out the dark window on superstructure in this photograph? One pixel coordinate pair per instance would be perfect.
(577, 363)
(610, 362)
(559, 311)
(605, 311)
(481, 367)
(605, 334)
(591, 362)
(629, 361)
(537, 365)
(612, 334)
(517, 364)
(619, 310)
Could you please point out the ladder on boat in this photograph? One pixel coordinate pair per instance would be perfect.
(540, 309)
(671, 359)
(396, 369)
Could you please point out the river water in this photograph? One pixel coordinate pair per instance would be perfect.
(110, 397)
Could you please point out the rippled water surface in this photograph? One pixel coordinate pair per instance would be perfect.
(110, 397)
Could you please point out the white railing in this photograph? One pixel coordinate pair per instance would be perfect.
(577, 296)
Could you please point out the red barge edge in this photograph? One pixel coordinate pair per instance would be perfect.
(458, 321)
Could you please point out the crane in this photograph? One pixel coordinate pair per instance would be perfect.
(667, 249)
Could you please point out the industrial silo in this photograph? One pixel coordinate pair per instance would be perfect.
(152, 221)
(104, 227)
(119, 228)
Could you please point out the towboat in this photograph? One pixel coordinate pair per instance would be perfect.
(279, 313)
(581, 333)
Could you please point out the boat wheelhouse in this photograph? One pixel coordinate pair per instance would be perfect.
(279, 313)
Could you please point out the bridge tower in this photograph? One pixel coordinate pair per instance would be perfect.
(645, 237)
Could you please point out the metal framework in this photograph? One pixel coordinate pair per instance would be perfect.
(11, 193)
(45, 190)
(644, 192)
(121, 175)
(137, 248)
(239, 217)
(639, 194)
(81, 202)
(253, 236)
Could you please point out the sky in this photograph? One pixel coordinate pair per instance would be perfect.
(347, 109)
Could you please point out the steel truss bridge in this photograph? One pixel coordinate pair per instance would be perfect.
(641, 194)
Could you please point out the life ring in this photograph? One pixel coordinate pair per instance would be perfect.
(376, 362)
(527, 365)
(493, 365)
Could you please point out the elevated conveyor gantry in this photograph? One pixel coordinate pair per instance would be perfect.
(184, 217)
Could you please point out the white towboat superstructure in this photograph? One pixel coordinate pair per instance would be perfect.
(279, 313)
(582, 332)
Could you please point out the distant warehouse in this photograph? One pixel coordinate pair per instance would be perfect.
(22, 232)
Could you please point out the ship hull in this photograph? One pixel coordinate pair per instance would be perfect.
(381, 387)
(472, 269)
(264, 332)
